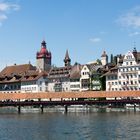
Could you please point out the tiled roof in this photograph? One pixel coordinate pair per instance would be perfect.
(16, 70)
(18, 73)
(94, 67)
(76, 71)
(33, 76)
(112, 71)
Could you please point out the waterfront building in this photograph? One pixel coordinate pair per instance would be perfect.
(90, 77)
(34, 81)
(75, 75)
(11, 76)
(85, 78)
(129, 71)
(59, 77)
(126, 75)
(112, 79)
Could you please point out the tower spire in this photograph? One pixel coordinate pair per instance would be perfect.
(67, 59)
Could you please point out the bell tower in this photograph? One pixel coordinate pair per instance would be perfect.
(104, 58)
(43, 58)
(67, 59)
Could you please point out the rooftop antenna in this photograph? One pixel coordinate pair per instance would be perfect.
(134, 44)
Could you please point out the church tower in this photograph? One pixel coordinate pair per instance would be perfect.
(43, 58)
(135, 53)
(67, 59)
(104, 58)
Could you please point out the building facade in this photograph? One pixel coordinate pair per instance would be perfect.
(126, 75)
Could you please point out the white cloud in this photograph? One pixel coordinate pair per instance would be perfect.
(3, 17)
(95, 40)
(134, 33)
(131, 18)
(5, 9)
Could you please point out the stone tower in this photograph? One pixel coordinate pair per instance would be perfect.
(135, 53)
(43, 58)
(67, 59)
(104, 58)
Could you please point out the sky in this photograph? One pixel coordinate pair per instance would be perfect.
(85, 27)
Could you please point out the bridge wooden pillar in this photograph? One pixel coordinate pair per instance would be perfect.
(19, 109)
(134, 107)
(66, 109)
(42, 108)
(19, 106)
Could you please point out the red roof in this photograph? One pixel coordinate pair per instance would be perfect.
(43, 53)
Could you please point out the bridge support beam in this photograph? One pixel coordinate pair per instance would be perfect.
(66, 109)
(134, 107)
(19, 109)
(42, 109)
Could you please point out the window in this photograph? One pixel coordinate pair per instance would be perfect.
(135, 75)
(130, 63)
(108, 77)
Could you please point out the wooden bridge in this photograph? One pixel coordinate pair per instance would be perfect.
(63, 95)
(58, 98)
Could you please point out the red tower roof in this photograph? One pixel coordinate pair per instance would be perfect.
(43, 53)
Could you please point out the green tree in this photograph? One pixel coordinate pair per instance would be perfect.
(111, 58)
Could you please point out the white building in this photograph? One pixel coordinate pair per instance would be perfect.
(85, 78)
(112, 79)
(59, 79)
(125, 76)
(34, 82)
(129, 71)
(75, 75)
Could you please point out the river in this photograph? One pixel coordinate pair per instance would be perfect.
(71, 126)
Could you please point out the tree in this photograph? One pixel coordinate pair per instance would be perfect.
(111, 58)
(99, 61)
(115, 60)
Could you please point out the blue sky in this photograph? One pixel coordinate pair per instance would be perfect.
(85, 27)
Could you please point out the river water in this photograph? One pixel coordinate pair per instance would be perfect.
(71, 126)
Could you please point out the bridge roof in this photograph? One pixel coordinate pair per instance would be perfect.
(59, 95)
